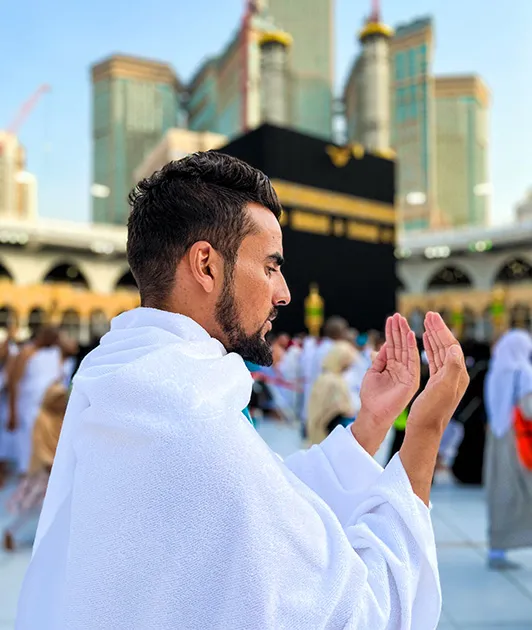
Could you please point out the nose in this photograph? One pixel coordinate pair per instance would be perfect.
(282, 295)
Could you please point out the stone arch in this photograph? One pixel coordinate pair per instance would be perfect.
(486, 328)
(415, 320)
(126, 281)
(66, 272)
(98, 324)
(8, 317)
(71, 323)
(5, 273)
(37, 318)
(399, 284)
(521, 316)
(449, 276)
(470, 323)
(513, 270)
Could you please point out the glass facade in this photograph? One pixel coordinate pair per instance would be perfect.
(412, 124)
(462, 146)
(441, 143)
(130, 116)
(310, 22)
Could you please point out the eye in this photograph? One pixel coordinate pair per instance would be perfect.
(271, 270)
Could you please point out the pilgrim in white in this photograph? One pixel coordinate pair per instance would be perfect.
(166, 509)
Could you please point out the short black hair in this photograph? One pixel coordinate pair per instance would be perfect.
(200, 197)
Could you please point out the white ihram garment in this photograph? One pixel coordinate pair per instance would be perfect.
(7, 438)
(509, 379)
(166, 510)
(312, 360)
(44, 367)
(8, 446)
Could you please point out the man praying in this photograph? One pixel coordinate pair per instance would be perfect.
(165, 508)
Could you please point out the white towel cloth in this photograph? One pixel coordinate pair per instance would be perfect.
(167, 511)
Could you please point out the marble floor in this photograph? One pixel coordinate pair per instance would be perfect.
(474, 598)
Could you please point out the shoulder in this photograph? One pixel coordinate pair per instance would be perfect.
(25, 354)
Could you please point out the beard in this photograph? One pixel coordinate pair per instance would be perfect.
(254, 347)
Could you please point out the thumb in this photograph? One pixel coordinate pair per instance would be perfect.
(454, 357)
(379, 362)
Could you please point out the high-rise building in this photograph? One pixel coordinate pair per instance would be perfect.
(389, 92)
(367, 93)
(439, 128)
(27, 193)
(353, 102)
(412, 107)
(227, 94)
(175, 145)
(18, 188)
(135, 101)
(274, 90)
(203, 99)
(462, 107)
(311, 63)
(523, 209)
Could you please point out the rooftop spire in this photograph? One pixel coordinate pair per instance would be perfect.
(373, 25)
(375, 15)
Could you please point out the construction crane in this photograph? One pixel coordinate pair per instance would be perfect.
(26, 110)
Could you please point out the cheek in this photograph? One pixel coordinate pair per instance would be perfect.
(254, 296)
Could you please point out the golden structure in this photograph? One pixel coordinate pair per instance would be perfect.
(375, 28)
(314, 311)
(498, 309)
(275, 37)
(58, 300)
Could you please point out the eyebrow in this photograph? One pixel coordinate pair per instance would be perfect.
(276, 258)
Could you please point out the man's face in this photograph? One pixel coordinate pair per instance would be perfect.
(253, 290)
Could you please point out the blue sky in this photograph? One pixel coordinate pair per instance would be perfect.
(56, 41)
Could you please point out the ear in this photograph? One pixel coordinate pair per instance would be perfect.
(206, 265)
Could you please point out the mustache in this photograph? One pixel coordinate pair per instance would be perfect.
(273, 314)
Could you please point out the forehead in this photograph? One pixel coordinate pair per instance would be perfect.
(267, 233)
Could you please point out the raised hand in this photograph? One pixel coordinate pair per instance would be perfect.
(389, 385)
(448, 381)
(434, 407)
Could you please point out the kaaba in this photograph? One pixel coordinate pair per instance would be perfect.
(338, 223)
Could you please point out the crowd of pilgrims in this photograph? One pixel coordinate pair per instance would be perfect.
(313, 383)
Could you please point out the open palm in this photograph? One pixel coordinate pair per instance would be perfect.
(393, 379)
(448, 375)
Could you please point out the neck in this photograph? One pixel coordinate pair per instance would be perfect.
(200, 315)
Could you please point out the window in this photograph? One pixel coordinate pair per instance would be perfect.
(423, 59)
(401, 108)
(413, 102)
(400, 66)
(412, 69)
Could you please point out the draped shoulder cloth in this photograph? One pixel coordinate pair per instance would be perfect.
(167, 511)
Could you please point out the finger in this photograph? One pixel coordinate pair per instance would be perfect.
(437, 352)
(396, 335)
(405, 329)
(454, 360)
(432, 321)
(442, 331)
(379, 362)
(389, 340)
(431, 355)
(414, 361)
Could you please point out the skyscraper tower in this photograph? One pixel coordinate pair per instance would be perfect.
(311, 61)
(274, 46)
(374, 92)
(135, 101)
